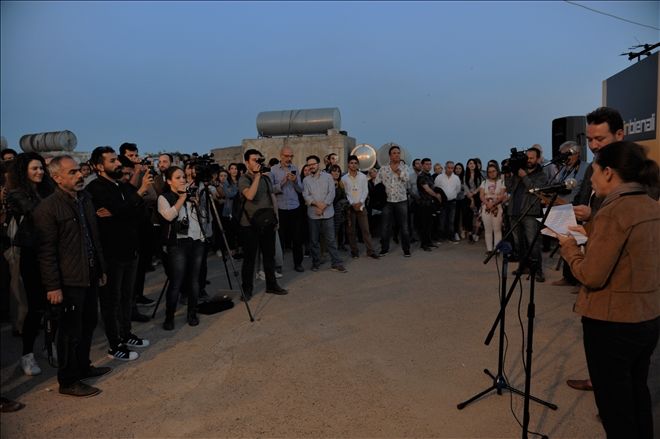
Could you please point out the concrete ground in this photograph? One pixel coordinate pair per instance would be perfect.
(386, 350)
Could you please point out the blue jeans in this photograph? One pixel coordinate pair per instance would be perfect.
(395, 213)
(326, 227)
(185, 263)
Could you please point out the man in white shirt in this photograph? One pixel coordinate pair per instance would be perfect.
(357, 189)
(451, 186)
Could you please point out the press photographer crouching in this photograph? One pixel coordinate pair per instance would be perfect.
(183, 240)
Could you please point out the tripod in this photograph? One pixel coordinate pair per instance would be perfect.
(214, 217)
(499, 381)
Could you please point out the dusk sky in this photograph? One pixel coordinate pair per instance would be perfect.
(445, 80)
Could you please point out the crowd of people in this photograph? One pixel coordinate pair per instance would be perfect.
(94, 229)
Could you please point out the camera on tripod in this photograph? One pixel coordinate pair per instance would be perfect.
(517, 161)
(203, 166)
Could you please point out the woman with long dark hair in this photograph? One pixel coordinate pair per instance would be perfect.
(341, 205)
(619, 297)
(461, 201)
(29, 183)
(230, 224)
(472, 183)
(184, 240)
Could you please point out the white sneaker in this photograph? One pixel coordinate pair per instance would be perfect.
(29, 365)
(261, 275)
(475, 237)
(278, 275)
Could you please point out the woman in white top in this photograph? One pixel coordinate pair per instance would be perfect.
(184, 243)
(492, 193)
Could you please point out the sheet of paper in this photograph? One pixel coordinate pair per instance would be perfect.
(558, 221)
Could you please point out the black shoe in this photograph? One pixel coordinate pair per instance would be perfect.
(168, 324)
(136, 316)
(406, 253)
(8, 406)
(383, 253)
(315, 267)
(144, 301)
(540, 277)
(374, 256)
(299, 268)
(79, 389)
(94, 372)
(193, 320)
(355, 255)
(426, 248)
(277, 290)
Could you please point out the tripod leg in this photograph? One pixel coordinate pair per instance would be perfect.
(462, 405)
(162, 292)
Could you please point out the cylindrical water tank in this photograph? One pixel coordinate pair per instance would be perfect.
(45, 142)
(298, 122)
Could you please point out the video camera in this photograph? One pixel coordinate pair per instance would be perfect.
(263, 168)
(203, 166)
(517, 161)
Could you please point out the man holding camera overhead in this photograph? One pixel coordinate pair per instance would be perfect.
(258, 221)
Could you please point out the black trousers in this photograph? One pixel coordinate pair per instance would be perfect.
(618, 357)
(78, 318)
(425, 213)
(291, 233)
(253, 240)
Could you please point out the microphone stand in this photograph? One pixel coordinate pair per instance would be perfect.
(499, 381)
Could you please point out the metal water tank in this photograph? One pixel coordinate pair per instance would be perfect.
(46, 142)
(298, 122)
(366, 154)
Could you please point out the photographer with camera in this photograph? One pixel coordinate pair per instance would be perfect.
(526, 174)
(258, 221)
(184, 244)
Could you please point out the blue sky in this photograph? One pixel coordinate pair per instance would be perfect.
(448, 80)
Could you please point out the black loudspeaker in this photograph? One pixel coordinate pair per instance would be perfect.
(569, 128)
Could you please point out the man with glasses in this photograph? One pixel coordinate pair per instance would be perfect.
(319, 193)
(286, 187)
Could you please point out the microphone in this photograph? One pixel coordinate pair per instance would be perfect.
(569, 184)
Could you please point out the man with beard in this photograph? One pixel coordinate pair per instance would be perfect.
(72, 268)
(119, 209)
(519, 207)
(319, 192)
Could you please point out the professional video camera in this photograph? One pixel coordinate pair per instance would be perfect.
(517, 160)
(203, 165)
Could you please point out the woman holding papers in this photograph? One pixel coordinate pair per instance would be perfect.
(620, 295)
